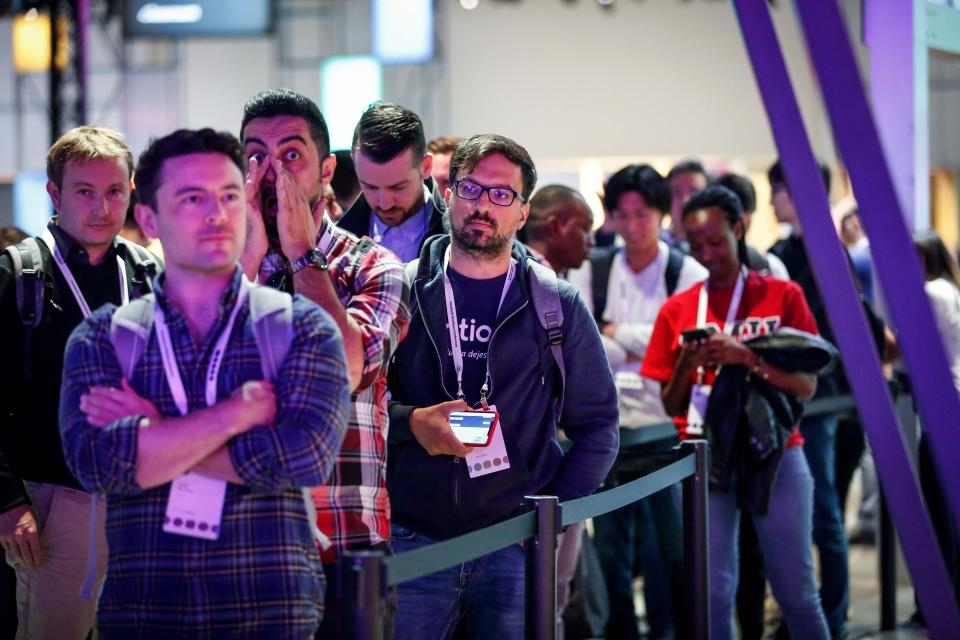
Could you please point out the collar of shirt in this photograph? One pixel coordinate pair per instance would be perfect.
(227, 300)
(71, 250)
(404, 238)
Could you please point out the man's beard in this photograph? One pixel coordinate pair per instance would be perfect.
(475, 242)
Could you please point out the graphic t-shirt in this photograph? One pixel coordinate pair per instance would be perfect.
(767, 305)
(477, 302)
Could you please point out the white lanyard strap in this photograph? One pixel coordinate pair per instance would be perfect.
(454, 330)
(172, 371)
(47, 238)
(728, 325)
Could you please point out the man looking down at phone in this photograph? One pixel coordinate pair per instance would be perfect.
(475, 341)
(203, 459)
(732, 306)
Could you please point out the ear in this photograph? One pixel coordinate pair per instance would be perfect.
(524, 212)
(54, 193)
(738, 230)
(327, 167)
(147, 219)
(426, 166)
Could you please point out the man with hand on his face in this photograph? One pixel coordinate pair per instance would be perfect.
(80, 265)
(399, 207)
(292, 244)
(475, 340)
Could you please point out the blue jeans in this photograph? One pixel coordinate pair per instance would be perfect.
(784, 534)
(820, 437)
(488, 593)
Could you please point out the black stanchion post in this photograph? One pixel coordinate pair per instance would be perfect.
(695, 548)
(887, 561)
(365, 583)
(541, 569)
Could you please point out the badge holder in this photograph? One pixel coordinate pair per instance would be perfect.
(697, 411)
(195, 506)
(482, 461)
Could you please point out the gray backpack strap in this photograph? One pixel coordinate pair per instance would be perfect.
(130, 328)
(28, 276)
(271, 312)
(545, 293)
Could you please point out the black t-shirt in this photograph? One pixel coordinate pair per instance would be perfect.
(477, 302)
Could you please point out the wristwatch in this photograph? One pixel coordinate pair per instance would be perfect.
(312, 258)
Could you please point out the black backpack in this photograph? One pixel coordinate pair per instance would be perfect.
(601, 261)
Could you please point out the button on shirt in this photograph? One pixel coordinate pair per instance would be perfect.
(405, 238)
(262, 577)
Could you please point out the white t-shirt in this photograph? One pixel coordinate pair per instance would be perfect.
(945, 301)
(633, 302)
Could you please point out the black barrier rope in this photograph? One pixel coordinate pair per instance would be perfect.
(443, 555)
(613, 499)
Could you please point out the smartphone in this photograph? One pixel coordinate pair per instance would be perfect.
(474, 428)
(696, 335)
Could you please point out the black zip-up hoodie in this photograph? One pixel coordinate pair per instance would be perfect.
(433, 495)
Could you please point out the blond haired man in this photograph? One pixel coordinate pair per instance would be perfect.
(47, 286)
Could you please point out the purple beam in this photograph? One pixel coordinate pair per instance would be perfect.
(894, 256)
(850, 326)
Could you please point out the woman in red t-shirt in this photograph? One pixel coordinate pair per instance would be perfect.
(736, 304)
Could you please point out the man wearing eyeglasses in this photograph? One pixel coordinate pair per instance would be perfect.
(399, 206)
(475, 342)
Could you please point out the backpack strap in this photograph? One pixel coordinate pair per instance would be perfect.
(672, 274)
(545, 293)
(130, 328)
(144, 264)
(271, 312)
(601, 262)
(28, 276)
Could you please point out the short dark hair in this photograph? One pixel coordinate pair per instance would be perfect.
(180, 143)
(719, 197)
(385, 130)
(543, 201)
(776, 176)
(284, 102)
(641, 178)
(742, 186)
(475, 148)
(344, 181)
(687, 166)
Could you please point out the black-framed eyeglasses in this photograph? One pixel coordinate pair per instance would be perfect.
(501, 196)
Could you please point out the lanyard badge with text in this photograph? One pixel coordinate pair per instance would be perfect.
(491, 456)
(700, 393)
(195, 504)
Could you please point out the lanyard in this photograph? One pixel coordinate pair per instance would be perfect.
(47, 238)
(216, 359)
(731, 312)
(454, 330)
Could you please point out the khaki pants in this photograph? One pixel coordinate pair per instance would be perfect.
(48, 596)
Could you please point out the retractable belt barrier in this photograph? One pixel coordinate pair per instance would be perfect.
(370, 573)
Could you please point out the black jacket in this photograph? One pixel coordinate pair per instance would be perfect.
(357, 218)
(433, 495)
(748, 421)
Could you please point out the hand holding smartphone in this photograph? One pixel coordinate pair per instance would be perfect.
(694, 336)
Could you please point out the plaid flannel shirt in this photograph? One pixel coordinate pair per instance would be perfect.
(262, 577)
(353, 508)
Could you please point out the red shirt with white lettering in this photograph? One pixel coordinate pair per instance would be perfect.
(767, 304)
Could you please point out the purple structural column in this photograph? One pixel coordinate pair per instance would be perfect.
(854, 340)
(895, 258)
